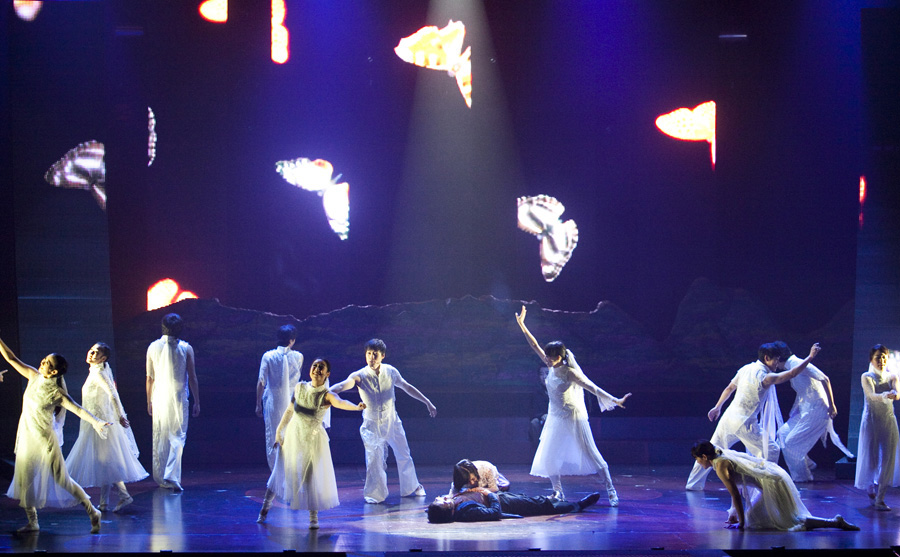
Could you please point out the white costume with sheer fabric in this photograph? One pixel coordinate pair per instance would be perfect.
(99, 462)
(740, 422)
(771, 500)
(279, 371)
(808, 422)
(489, 477)
(303, 476)
(876, 460)
(40, 478)
(167, 359)
(567, 446)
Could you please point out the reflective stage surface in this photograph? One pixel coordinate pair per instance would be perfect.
(218, 509)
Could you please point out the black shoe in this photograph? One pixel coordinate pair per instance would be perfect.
(588, 501)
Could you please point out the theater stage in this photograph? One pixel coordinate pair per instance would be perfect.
(217, 513)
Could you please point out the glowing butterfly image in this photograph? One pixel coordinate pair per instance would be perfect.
(82, 168)
(540, 215)
(27, 10)
(441, 49)
(151, 136)
(698, 124)
(215, 11)
(164, 293)
(316, 176)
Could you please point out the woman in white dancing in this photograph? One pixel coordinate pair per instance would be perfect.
(40, 478)
(766, 498)
(303, 476)
(567, 446)
(876, 461)
(93, 460)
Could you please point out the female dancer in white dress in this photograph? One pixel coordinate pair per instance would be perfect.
(40, 478)
(303, 476)
(766, 498)
(567, 445)
(97, 462)
(876, 461)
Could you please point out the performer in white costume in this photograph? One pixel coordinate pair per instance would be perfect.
(876, 463)
(567, 446)
(95, 461)
(303, 476)
(477, 473)
(754, 404)
(810, 419)
(279, 372)
(763, 497)
(171, 380)
(40, 478)
(381, 425)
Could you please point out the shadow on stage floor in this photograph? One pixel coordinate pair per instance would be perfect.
(217, 513)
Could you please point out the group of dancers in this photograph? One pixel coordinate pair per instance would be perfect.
(297, 411)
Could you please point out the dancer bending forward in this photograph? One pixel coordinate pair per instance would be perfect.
(95, 461)
(303, 476)
(567, 445)
(763, 497)
(40, 478)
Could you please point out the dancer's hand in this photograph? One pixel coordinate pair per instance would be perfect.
(734, 526)
(814, 350)
(832, 412)
(620, 402)
(713, 414)
(520, 317)
(123, 421)
(196, 411)
(1, 374)
(432, 410)
(361, 406)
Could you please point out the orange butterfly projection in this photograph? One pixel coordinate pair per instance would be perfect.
(164, 293)
(698, 124)
(441, 49)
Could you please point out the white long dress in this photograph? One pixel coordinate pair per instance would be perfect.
(303, 476)
(567, 446)
(40, 478)
(771, 500)
(94, 461)
(279, 371)
(808, 421)
(876, 461)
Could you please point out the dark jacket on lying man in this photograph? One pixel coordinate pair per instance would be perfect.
(478, 505)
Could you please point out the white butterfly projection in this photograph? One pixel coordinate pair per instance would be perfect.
(151, 136)
(82, 168)
(540, 215)
(315, 175)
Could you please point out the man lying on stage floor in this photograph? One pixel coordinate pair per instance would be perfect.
(474, 503)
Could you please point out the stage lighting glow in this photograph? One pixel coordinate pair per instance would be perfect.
(540, 215)
(280, 43)
(151, 136)
(698, 124)
(862, 198)
(27, 10)
(315, 175)
(215, 11)
(166, 292)
(441, 49)
(82, 168)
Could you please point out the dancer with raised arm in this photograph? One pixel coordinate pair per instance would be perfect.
(763, 497)
(741, 420)
(95, 461)
(40, 478)
(876, 464)
(303, 476)
(567, 446)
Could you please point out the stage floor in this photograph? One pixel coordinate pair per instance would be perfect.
(217, 512)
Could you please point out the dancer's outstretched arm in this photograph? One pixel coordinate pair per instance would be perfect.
(24, 369)
(520, 319)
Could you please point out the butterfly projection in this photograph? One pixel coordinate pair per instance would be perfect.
(540, 215)
(82, 168)
(166, 292)
(697, 124)
(151, 136)
(215, 11)
(315, 175)
(441, 49)
(27, 10)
